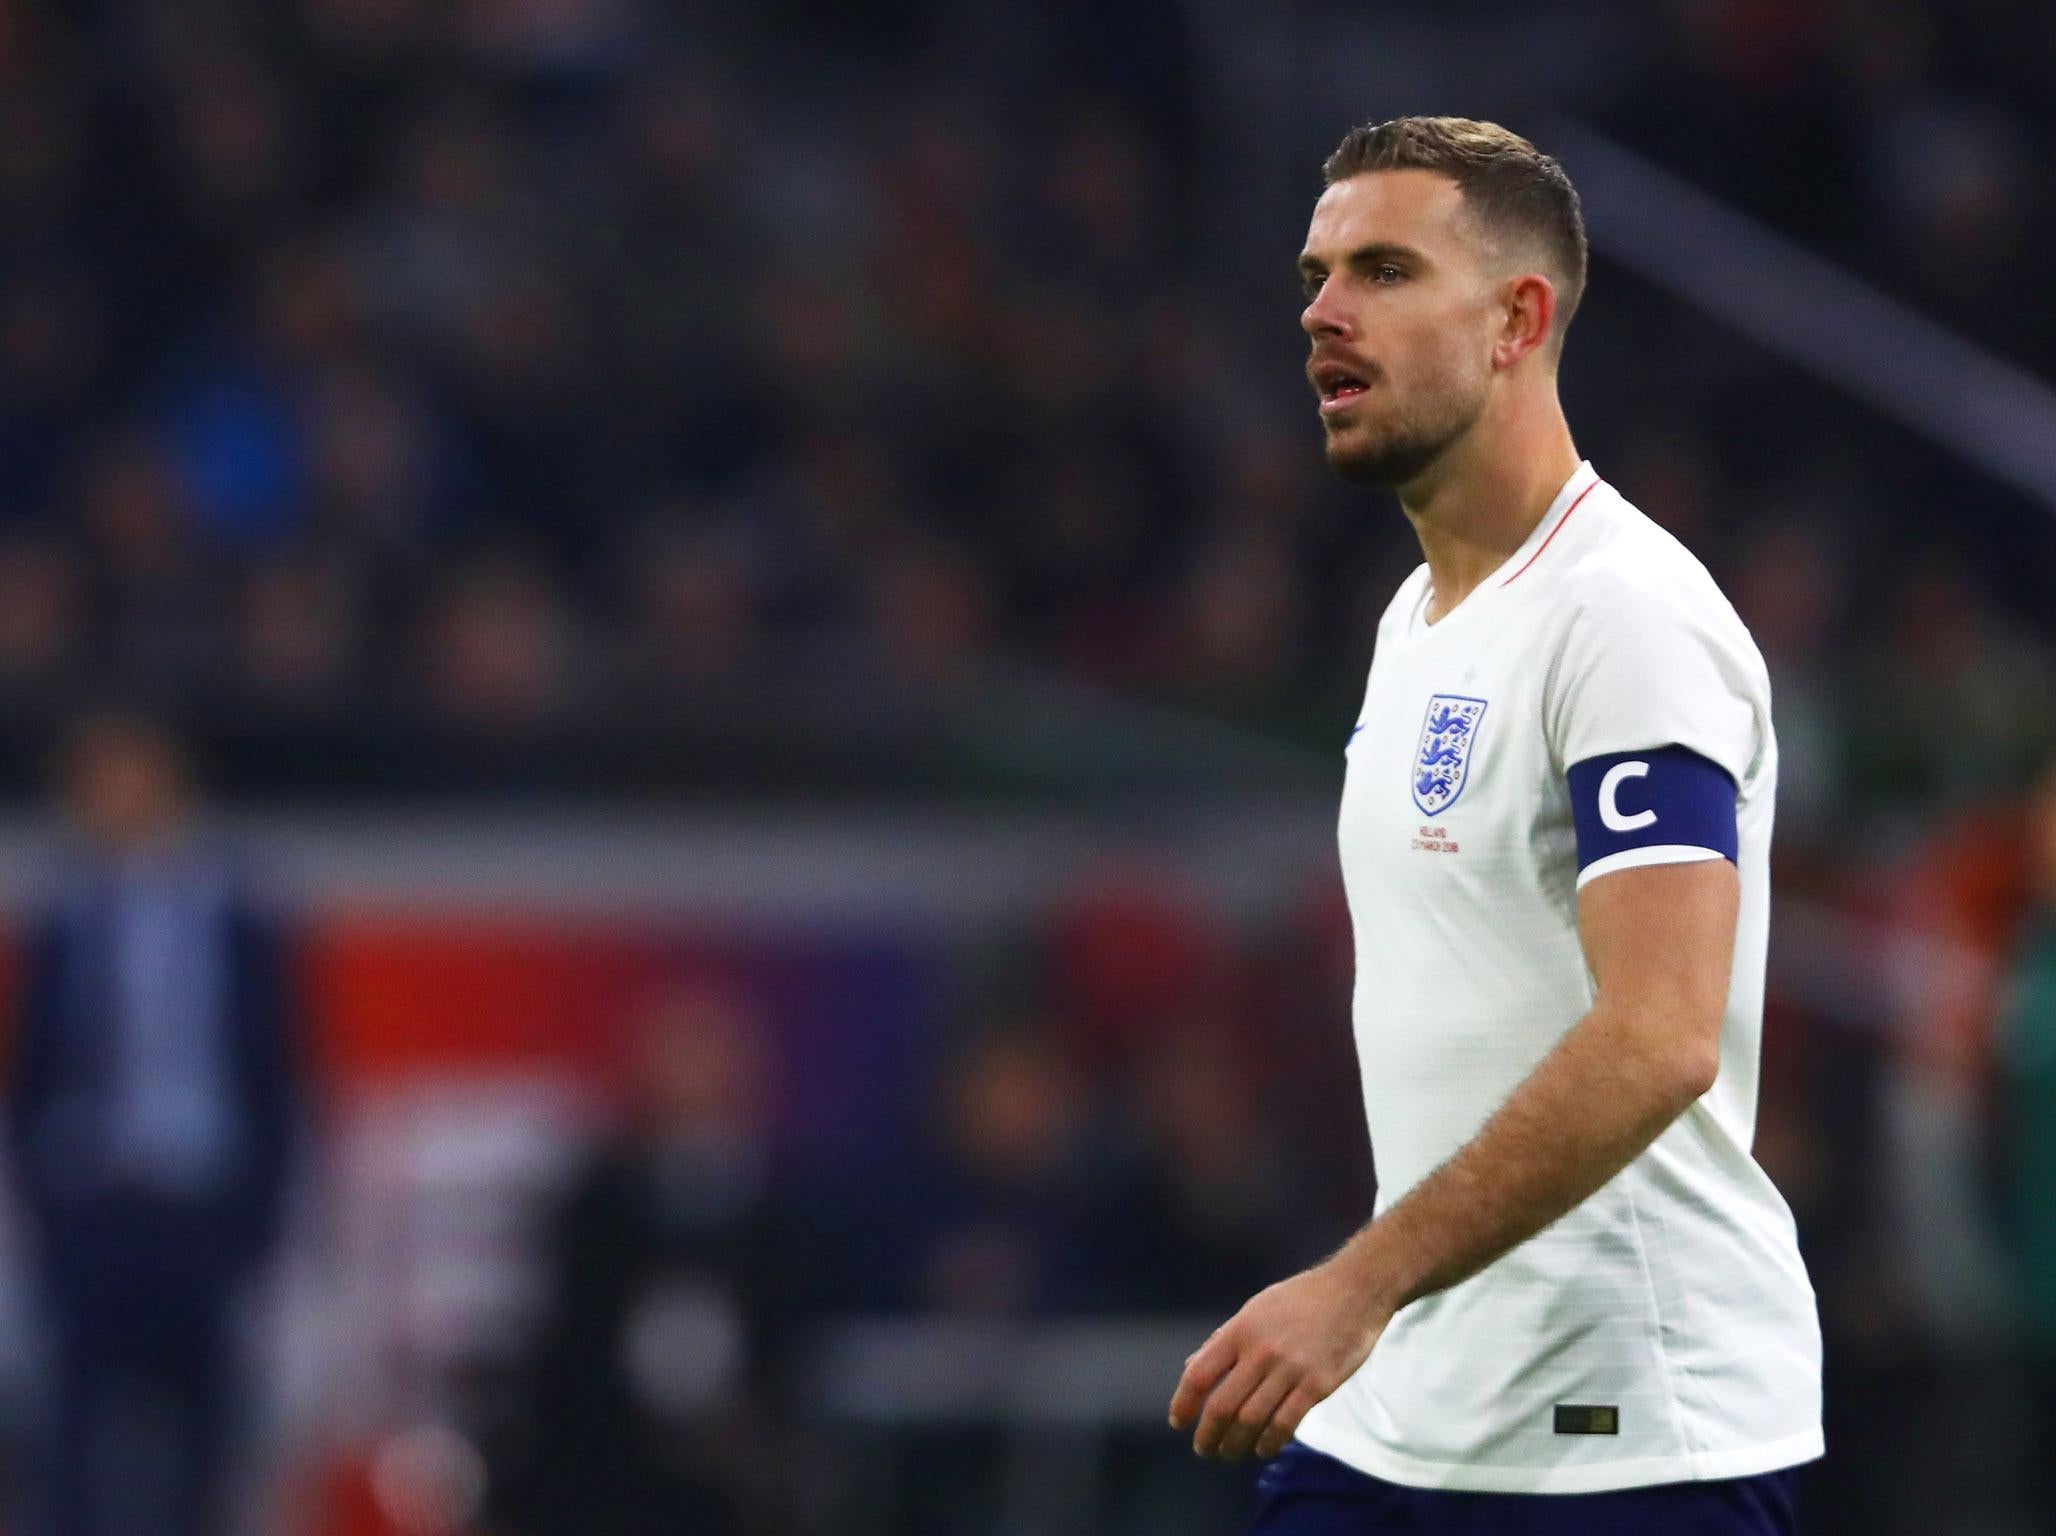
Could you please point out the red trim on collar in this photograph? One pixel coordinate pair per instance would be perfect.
(1567, 511)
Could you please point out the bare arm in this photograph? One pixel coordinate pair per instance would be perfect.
(1660, 942)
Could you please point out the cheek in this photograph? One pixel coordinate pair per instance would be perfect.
(1426, 337)
(1460, 360)
(1433, 363)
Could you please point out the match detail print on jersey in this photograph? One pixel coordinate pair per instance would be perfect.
(1442, 761)
(1587, 1419)
(1668, 805)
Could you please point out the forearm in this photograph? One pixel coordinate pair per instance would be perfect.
(1601, 1096)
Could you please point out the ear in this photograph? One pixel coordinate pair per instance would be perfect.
(1530, 312)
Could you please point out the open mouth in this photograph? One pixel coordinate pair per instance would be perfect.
(1336, 385)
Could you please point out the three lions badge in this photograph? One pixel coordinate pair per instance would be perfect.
(1444, 756)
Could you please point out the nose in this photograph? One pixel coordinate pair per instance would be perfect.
(1323, 315)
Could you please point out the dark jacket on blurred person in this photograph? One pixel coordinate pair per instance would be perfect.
(674, 1265)
(154, 1064)
(653, 1384)
(151, 1108)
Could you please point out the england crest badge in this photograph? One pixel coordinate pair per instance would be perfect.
(1444, 757)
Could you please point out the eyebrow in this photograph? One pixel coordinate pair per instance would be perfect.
(1364, 256)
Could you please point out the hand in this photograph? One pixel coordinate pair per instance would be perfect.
(1291, 1345)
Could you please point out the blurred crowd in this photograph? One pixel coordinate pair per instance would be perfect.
(1170, 1165)
(528, 368)
(550, 371)
(511, 364)
(1904, 139)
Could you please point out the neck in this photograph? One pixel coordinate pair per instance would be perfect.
(1481, 499)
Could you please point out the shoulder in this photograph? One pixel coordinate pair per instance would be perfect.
(1631, 580)
(1649, 652)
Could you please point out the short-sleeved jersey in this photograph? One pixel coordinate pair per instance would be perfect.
(1664, 1330)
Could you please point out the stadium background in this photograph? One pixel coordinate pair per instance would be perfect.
(762, 573)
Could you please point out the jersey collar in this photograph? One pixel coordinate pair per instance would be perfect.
(1560, 510)
(1575, 490)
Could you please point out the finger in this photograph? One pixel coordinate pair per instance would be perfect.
(1227, 1401)
(1203, 1370)
(1285, 1422)
(1255, 1415)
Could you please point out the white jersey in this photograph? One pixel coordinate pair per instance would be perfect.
(1664, 1330)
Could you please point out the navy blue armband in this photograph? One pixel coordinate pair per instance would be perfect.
(1668, 805)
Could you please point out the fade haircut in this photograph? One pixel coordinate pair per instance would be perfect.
(1516, 193)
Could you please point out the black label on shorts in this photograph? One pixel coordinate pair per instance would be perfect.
(1587, 1419)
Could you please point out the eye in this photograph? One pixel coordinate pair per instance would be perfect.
(1387, 273)
(1310, 284)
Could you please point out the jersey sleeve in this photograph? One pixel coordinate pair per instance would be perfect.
(1652, 717)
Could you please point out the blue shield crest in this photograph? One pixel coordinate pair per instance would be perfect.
(1444, 757)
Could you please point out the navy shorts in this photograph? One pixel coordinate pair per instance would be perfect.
(1304, 1493)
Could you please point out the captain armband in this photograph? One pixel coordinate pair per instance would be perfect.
(1668, 805)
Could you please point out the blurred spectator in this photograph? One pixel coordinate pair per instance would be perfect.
(1022, 1210)
(156, 583)
(933, 611)
(1788, 592)
(239, 456)
(2027, 1060)
(692, 607)
(302, 635)
(382, 468)
(1221, 1218)
(500, 647)
(1954, 704)
(1959, 899)
(1239, 638)
(42, 629)
(677, 1278)
(1135, 960)
(53, 343)
(1925, 1317)
(153, 1105)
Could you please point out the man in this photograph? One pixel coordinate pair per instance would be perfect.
(1579, 1305)
(676, 1283)
(151, 1110)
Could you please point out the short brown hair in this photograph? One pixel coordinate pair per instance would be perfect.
(1513, 189)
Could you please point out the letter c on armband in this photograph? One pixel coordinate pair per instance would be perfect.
(1609, 804)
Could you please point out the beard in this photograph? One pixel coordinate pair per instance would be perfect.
(1390, 457)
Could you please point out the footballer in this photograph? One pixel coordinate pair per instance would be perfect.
(1579, 1305)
